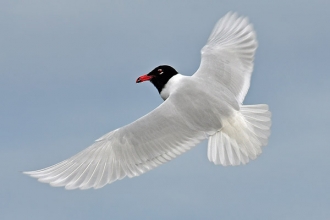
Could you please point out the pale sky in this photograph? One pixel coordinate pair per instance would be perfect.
(67, 76)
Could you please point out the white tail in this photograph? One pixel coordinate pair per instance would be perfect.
(241, 136)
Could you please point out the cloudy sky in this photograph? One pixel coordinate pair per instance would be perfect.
(67, 76)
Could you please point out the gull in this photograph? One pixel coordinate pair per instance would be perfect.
(206, 105)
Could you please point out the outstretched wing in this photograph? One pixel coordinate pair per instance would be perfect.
(154, 139)
(228, 56)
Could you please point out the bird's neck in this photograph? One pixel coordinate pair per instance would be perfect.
(172, 84)
(160, 82)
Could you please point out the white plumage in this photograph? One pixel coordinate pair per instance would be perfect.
(205, 105)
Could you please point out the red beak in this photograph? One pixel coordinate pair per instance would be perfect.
(143, 78)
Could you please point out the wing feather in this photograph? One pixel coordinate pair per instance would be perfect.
(129, 151)
(227, 58)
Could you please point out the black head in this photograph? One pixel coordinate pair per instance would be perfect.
(159, 76)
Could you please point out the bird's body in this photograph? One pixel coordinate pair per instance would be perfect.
(207, 104)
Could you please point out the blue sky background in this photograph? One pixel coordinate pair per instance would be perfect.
(67, 76)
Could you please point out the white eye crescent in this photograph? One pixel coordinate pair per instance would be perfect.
(160, 71)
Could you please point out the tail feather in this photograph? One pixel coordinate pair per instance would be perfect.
(241, 137)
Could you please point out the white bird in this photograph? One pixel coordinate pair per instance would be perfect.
(207, 104)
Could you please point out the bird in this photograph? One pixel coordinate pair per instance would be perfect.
(206, 105)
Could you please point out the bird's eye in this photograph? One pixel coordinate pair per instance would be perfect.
(160, 71)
